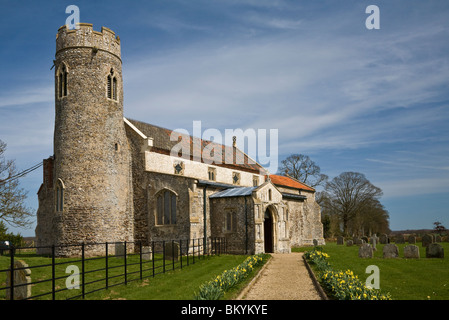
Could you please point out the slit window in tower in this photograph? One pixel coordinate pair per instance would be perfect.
(64, 93)
(62, 81)
(60, 85)
(109, 87)
(114, 88)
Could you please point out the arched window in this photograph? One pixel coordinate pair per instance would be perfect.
(62, 81)
(59, 195)
(109, 87)
(112, 85)
(114, 88)
(166, 207)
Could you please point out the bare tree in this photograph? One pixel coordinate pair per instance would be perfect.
(302, 168)
(356, 201)
(12, 208)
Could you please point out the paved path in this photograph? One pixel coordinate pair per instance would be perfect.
(284, 278)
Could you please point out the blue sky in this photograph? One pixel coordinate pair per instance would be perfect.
(353, 99)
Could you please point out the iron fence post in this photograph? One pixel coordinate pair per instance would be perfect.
(173, 253)
(193, 253)
(163, 255)
(107, 266)
(180, 251)
(126, 278)
(53, 280)
(11, 283)
(140, 250)
(153, 253)
(83, 290)
(187, 249)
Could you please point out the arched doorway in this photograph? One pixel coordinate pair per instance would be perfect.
(268, 231)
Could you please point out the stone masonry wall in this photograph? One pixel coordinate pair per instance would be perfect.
(91, 151)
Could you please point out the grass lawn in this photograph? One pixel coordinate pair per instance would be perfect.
(404, 279)
(178, 284)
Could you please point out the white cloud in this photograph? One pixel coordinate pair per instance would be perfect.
(27, 95)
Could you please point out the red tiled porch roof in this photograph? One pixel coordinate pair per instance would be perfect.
(289, 182)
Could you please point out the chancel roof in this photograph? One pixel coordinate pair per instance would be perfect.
(197, 149)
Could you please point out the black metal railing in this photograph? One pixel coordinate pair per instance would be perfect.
(94, 267)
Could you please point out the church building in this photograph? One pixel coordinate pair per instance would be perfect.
(114, 179)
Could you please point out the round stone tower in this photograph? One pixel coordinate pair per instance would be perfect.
(92, 162)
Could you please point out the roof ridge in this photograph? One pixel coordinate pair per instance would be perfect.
(305, 186)
(247, 160)
(299, 181)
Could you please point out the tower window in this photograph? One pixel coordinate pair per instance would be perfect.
(109, 87)
(114, 88)
(112, 85)
(59, 203)
(62, 81)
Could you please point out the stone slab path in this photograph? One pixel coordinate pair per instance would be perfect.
(284, 278)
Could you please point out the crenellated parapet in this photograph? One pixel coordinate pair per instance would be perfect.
(86, 37)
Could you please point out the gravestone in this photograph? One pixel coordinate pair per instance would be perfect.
(340, 240)
(315, 242)
(434, 250)
(119, 250)
(373, 242)
(172, 250)
(22, 277)
(411, 239)
(349, 243)
(438, 239)
(427, 239)
(411, 252)
(365, 251)
(390, 251)
(146, 253)
(400, 239)
(384, 239)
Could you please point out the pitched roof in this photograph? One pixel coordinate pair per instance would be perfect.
(163, 144)
(289, 182)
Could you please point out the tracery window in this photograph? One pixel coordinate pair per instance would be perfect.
(112, 85)
(166, 207)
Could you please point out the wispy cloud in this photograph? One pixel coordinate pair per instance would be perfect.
(27, 95)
